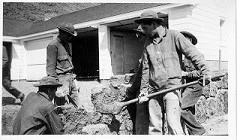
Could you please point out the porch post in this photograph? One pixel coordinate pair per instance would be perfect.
(105, 67)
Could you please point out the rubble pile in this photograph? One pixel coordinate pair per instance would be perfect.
(214, 101)
(98, 122)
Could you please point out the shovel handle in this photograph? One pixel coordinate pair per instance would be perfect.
(169, 90)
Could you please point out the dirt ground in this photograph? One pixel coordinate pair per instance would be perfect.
(10, 106)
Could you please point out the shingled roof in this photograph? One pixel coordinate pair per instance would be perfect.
(14, 27)
(89, 14)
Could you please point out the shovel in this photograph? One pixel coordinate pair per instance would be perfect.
(116, 107)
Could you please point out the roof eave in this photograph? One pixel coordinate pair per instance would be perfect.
(107, 20)
(9, 39)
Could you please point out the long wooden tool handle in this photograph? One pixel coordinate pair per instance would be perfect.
(169, 90)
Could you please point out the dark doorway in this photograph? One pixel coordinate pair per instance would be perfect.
(85, 52)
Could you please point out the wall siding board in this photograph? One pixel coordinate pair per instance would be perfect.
(204, 23)
(36, 57)
(18, 62)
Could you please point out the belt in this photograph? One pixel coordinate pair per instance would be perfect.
(66, 73)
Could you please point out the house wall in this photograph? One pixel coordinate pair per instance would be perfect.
(204, 22)
(36, 57)
(105, 67)
(18, 61)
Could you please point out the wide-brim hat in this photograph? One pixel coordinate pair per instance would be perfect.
(48, 81)
(189, 35)
(67, 27)
(149, 16)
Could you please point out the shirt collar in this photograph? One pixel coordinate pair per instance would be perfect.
(44, 95)
(162, 31)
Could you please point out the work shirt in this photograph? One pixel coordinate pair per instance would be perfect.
(59, 58)
(37, 116)
(162, 58)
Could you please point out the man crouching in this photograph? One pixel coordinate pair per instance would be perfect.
(37, 115)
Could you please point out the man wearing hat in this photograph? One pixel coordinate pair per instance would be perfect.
(190, 94)
(37, 115)
(59, 64)
(161, 69)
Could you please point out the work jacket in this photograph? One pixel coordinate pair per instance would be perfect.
(37, 116)
(162, 58)
(59, 58)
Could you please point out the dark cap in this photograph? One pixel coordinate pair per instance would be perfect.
(67, 27)
(148, 16)
(48, 81)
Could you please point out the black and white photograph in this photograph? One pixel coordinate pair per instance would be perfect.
(107, 68)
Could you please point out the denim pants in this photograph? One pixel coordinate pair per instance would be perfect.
(68, 88)
(189, 121)
(158, 106)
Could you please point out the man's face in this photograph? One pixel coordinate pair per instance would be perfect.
(67, 37)
(52, 92)
(148, 29)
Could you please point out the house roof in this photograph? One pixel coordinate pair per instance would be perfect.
(88, 14)
(14, 27)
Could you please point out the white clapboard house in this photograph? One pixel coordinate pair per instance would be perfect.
(106, 44)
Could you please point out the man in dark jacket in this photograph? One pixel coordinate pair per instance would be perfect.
(59, 64)
(37, 115)
(161, 69)
(191, 94)
(6, 81)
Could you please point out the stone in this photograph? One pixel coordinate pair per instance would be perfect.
(96, 129)
(211, 107)
(104, 98)
(200, 108)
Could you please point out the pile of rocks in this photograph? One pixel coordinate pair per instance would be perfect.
(214, 102)
(99, 122)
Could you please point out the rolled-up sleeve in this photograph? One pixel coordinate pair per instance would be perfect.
(191, 53)
(51, 60)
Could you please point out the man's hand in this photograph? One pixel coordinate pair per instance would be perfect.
(142, 97)
(68, 108)
(62, 92)
(206, 79)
